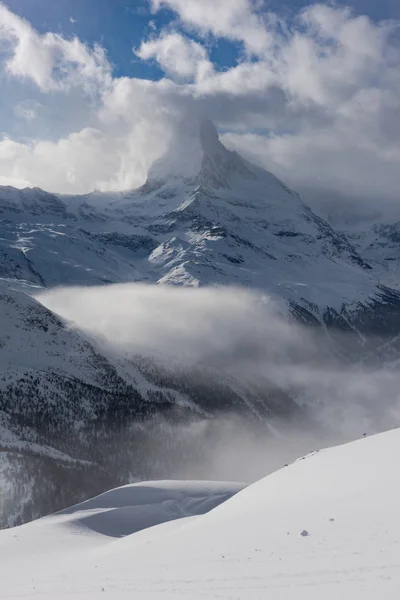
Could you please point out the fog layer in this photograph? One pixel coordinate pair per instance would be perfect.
(245, 335)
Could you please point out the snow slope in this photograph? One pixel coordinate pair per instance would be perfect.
(324, 527)
(379, 242)
(113, 515)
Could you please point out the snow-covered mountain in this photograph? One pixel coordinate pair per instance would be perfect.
(378, 241)
(325, 526)
(205, 216)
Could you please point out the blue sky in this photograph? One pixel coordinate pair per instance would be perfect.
(119, 25)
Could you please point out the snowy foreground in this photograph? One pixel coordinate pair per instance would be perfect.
(325, 527)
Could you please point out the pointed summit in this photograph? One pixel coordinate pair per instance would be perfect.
(191, 144)
(209, 138)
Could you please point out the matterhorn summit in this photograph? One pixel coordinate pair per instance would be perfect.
(192, 143)
(196, 153)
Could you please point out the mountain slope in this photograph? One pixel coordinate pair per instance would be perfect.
(379, 242)
(205, 216)
(76, 418)
(325, 526)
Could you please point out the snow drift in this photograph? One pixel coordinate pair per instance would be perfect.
(326, 526)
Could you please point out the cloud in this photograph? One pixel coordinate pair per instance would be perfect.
(205, 321)
(328, 160)
(241, 334)
(316, 100)
(49, 60)
(235, 20)
(27, 109)
(177, 55)
(84, 156)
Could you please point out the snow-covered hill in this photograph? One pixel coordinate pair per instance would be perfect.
(324, 527)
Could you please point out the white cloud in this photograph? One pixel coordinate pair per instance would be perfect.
(49, 60)
(177, 55)
(331, 159)
(191, 327)
(27, 110)
(83, 161)
(236, 20)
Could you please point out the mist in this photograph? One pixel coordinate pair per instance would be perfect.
(246, 336)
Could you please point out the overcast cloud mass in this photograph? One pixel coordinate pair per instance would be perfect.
(315, 100)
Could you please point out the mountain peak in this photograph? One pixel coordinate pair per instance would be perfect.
(209, 137)
(191, 143)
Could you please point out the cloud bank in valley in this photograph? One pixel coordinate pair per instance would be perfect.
(240, 333)
(314, 98)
